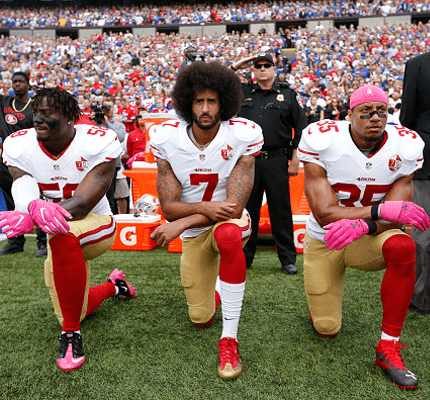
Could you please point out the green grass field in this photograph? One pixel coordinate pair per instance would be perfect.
(147, 348)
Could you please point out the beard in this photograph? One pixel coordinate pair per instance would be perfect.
(216, 119)
(374, 139)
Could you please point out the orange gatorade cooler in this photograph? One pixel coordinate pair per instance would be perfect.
(299, 226)
(175, 246)
(132, 233)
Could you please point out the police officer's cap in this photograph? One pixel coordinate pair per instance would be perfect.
(264, 56)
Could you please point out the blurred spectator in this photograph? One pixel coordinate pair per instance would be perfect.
(333, 109)
(136, 141)
(314, 112)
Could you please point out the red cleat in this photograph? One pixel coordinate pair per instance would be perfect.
(388, 358)
(230, 365)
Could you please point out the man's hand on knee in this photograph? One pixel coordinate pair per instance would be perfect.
(49, 217)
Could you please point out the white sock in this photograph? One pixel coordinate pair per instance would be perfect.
(79, 331)
(218, 285)
(116, 290)
(231, 306)
(384, 336)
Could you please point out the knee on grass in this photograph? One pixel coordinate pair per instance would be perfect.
(328, 327)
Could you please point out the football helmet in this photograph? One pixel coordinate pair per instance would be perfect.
(147, 205)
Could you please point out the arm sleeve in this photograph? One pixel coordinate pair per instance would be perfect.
(308, 153)
(256, 143)
(119, 129)
(129, 145)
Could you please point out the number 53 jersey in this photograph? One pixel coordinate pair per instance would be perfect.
(203, 174)
(59, 176)
(358, 180)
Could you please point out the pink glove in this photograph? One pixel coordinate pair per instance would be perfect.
(15, 223)
(344, 232)
(49, 217)
(405, 212)
(137, 157)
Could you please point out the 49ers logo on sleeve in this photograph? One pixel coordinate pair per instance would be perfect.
(82, 164)
(11, 119)
(394, 163)
(227, 152)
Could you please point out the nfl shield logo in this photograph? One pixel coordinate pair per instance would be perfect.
(56, 167)
(368, 166)
(82, 164)
(227, 152)
(394, 163)
(202, 157)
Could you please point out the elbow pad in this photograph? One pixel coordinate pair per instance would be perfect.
(24, 190)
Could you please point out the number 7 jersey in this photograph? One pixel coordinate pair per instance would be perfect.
(358, 180)
(203, 174)
(58, 177)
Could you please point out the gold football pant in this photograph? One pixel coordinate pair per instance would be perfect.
(96, 234)
(199, 269)
(324, 272)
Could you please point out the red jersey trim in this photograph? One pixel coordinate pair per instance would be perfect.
(256, 144)
(307, 152)
(52, 157)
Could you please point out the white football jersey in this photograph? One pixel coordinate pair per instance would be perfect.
(203, 174)
(357, 180)
(58, 177)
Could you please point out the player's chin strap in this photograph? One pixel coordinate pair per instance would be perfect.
(370, 115)
(24, 191)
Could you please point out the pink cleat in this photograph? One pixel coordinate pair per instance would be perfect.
(71, 354)
(117, 277)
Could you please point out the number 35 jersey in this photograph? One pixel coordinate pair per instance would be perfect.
(358, 180)
(58, 177)
(203, 174)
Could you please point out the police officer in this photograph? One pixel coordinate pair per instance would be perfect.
(275, 107)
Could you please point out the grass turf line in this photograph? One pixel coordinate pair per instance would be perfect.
(147, 348)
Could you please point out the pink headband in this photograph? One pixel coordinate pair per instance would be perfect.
(368, 94)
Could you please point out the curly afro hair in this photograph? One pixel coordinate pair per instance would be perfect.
(59, 100)
(202, 76)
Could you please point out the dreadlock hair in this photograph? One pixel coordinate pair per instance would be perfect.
(59, 100)
(200, 76)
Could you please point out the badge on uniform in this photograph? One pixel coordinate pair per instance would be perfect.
(82, 164)
(11, 119)
(202, 157)
(280, 97)
(299, 102)
(227, 152)
(368, 166)
(56, 167)
(394, 163)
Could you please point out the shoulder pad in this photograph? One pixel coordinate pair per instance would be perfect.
(410, 143)
(16, 144)
(315, 138)
(244, 129)
(96, 138)
(160, 133)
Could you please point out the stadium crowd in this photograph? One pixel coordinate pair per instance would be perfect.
(138, 70)
(202, 13)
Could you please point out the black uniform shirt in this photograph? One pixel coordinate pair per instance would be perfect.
(13, 119)
(277, 111)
